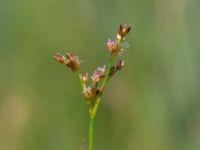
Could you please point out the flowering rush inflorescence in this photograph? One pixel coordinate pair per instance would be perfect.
(93, 86)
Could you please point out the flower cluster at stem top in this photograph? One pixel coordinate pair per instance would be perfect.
(93, 86)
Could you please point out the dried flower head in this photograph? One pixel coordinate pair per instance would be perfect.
(89, 92)
(95, 77)
(113, 47)
(124, 29)
(60, 58)
(102, 71)
(98, 74)
(73, 62)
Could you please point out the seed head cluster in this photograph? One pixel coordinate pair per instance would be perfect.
(70, 60)
(93, 85)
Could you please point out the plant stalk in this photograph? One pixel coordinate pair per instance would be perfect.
(109, 65)
(96, 106)
(91, 133)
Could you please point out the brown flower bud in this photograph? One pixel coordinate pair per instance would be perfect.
(73, 62)
(60, 58)
(120, 64)
(84, 78)
(116, 68)
(112, 71)
(99, 92)
(123, 31)
(113, 47)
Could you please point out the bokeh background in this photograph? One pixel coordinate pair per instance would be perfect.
(152, 104)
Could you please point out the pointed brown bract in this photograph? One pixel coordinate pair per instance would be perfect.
(124, 29)
(73, 62)
(60, 58)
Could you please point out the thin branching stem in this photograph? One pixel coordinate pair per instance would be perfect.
(96, 105)
(110, 63)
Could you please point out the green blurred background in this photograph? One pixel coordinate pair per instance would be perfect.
(152, 104)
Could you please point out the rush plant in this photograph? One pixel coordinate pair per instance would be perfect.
(93, 86)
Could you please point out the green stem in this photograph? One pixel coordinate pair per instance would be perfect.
(91, 129)
(81, 83)
(95, 108)
(110, 63)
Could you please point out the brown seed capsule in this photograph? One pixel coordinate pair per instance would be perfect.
(123, 31)
(60, 58)
(99, 92)
(120, 64)
(73, 62)
(112, 71)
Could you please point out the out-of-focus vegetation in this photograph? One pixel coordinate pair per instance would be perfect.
(152, 104)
